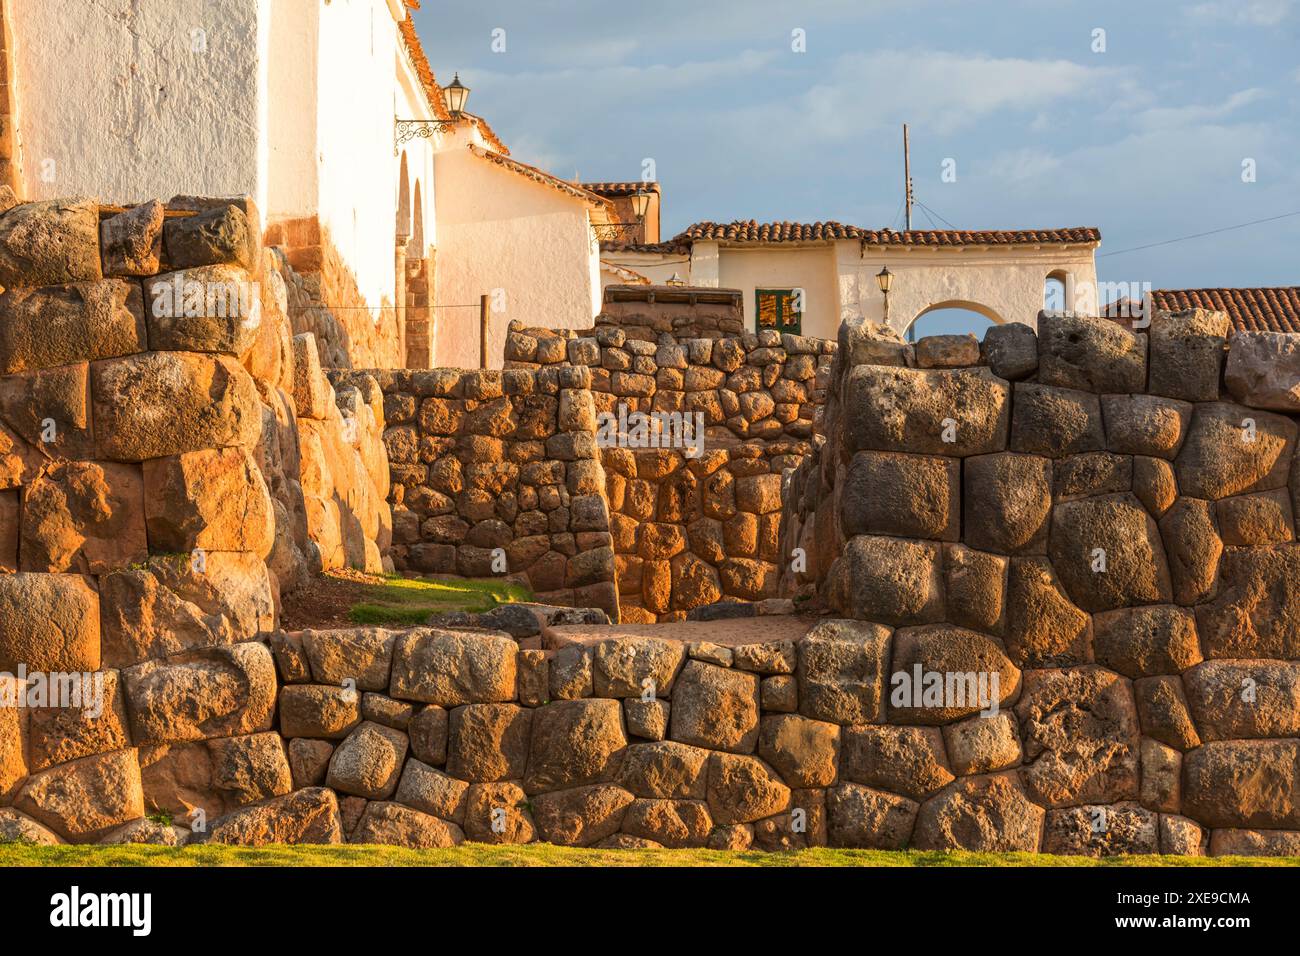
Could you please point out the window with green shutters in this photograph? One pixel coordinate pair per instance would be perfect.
(775, 309)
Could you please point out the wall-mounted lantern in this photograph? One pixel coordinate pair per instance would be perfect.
(454, 96)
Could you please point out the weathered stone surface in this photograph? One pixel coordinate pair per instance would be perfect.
(1256, 520)
(1257, 611)
(1163, 712)
(769, 657)
(178, 603)
(1116, 530)
(863, 342)
(1227, 841)
(304, 816)
(369, 762)
(1044, 627)
(738, 836)
(571, 673)
(1011, 350)
(621, 666)
(428, 733)
(1055, 422)
(1232, 700)
(574, 742)
(55, 240)
(987, 814)
(1092, 473)
(1080, 733)
(429, 790)
(320, 711)
(581, 816)
(498, 813)
(1182, 836)
(1145, 424)
(392, 824)
(15, 762)
(1194, 548)
(217, 234)
(947, 351)
(488, 742)
(1146, 641)
(362, 655)
(906, 760)
(86, 798)
(61, 325)
(131, 241)
(214, 499)
(910, 496)
(1187, 353)
(647, 719)
(975, 584)
(743, 789)
(309, 761)
(1154, 484)
(908, 410)
(1093, 354)
(665, 770)
(804, 752)
(167, 403)
(210, 692)
(669, 823)
(1099, 831)
(49, 622)
(940, 673)
(449, 668)
(1232, 449)
(1264, 370)
(250, 768)
(841, 672)
(1161, 776)
(145, 831)
(890, 580)
(715, 707)
(1008, 501)
(1243, 783)
(869, 819)
(983, 744)
(16, 828)
(214, 308)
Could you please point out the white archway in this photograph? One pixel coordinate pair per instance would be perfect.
(952, 317)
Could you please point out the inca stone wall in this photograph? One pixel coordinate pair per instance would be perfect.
(491, 465)
(691, 529)
(1107, 521)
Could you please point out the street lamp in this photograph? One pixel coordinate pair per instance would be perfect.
(675, 279)
(640, 202)
(454, 95)
(611, 231)
(885, 278)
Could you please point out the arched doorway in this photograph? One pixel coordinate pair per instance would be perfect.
(401, 242)
(954, 317)
(419, 330)
(1058, 292)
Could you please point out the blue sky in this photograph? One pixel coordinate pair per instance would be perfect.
(1145, 140)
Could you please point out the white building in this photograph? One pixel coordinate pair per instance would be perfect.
(812, 276)
(296, 104)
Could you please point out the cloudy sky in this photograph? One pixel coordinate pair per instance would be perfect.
(1145, 139)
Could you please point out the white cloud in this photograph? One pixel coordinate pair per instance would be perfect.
(1179, 117)
(1257, 13)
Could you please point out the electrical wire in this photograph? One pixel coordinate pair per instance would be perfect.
(1199, 235)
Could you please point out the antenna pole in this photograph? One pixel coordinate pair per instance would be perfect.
(907, 177)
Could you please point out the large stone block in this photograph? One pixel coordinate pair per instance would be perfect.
(1145, 424)
(15, 761)
(304, 816)
(1243, 783)
(1093, 354)
(975, 586)
(868, 819)
(174, 604)
(1011, 350)
(1231, 449)
(65, 324)
(131, 241)
(910, 496)
(622, 666)
(891, 580)
(743, 789)
(1264, 370)
(319, 711)
(1098, 831)
(804, 752)
(1257, 611)
(220, 234)
(488, 742)
(581, 816)
(1163, 713)
(86, 798)
(48, 622)
(83, 516)
(1055, 422)
(360, 654)
(449, 668)
(841, 672)
(1147, 641)
(93, 721)
(715, 707)
(574, 742)
(929, 411)
(941, 673)
(988, 814)
(44, 243)
(168, 403)
(1187, 354)
(210, 692)
(391, 824)
(1193, 547)
(906, 760)
(1080, 733)
(1108, 553)
(215, 499)
(46, 413)
(1232, 700)
(1008, 501)
(214, 308)
(368, 763)
(665, 770)
(1044, 627)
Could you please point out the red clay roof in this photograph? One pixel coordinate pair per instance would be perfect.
(620, 189)
(1251, 310)
(541, 176)
(752, 231)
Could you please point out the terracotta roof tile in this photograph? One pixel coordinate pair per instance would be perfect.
(542, 176)
(752, 231)
(1251, 310)
(620, 189)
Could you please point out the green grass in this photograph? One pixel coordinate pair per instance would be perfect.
(545, 854)
(405, 601)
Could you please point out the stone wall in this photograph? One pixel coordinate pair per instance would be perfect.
(486, 460)
(1106, 520)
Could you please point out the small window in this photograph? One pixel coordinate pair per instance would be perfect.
(775, 309)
